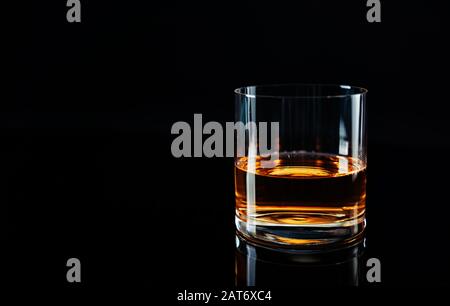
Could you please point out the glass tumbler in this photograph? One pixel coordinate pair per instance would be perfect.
(300, 164)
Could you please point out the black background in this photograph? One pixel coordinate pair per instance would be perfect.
(87, 170)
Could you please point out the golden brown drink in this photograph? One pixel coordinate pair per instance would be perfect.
(302, 196)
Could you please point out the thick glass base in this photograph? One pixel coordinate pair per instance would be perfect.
(317, 237)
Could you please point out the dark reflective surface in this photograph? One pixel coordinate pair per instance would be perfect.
(260, 266)
(86, 165)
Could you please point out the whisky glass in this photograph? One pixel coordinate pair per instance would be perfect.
(305, 186)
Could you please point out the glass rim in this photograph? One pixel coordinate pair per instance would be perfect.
(352, 91)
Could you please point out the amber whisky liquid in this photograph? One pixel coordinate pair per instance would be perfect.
(302, 199)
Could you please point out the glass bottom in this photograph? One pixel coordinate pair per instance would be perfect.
(311, 237)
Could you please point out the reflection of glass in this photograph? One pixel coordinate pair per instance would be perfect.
(261, 266)
(314, 192)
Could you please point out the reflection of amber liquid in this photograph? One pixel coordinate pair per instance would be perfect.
(301, 189)
(266, 267)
